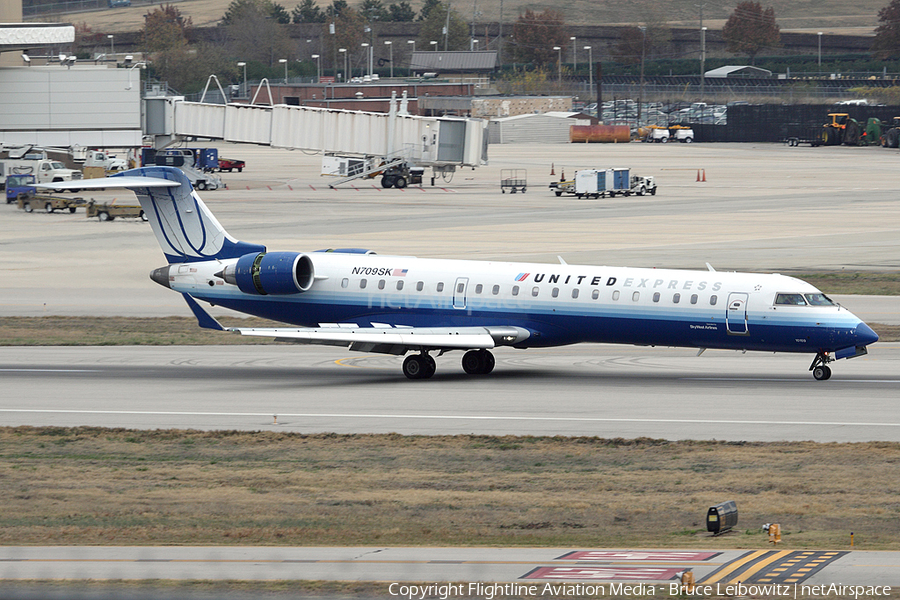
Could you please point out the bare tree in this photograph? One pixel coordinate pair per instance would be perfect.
(751, 29)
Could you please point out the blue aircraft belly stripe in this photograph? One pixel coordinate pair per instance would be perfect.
(553, 326)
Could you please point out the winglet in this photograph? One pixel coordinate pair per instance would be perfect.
(204, 319)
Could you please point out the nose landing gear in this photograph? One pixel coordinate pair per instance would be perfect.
(819, 367)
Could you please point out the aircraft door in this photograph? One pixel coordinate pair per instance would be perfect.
(736, 313)
(459, 292)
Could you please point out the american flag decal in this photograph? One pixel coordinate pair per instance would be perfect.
(522, 276)
(399, 272)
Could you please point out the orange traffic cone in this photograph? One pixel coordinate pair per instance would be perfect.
(552, 169)
(698, 174)
(704, 176)
(562, 174)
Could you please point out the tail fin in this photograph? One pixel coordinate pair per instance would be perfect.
(185, 228)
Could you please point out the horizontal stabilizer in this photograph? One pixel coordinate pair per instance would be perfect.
(112, 183)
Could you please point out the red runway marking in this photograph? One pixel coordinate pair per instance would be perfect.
(604, 573)
(664, 556)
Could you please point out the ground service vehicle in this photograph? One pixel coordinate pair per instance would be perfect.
(841, 129)
(19, 186)
(44, 169)
(230, 164)
(683, 134)
(657, 134)
(197, 163)
(49, 203)
(109, 211)
(643, 185)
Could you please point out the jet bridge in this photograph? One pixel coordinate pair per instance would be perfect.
(441, 143)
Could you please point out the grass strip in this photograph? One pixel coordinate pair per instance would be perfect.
(96, 486)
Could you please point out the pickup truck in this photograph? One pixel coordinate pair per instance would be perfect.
(229, 164)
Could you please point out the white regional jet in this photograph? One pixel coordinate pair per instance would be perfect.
(401, 304)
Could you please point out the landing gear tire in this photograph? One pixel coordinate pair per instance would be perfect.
(478, 362)
(819, 367)
(822, 373)
(419, 366)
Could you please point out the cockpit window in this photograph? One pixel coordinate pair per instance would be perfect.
(790, 300)
(819, 300)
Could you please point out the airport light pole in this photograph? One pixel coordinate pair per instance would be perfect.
(591, 72)
(318, 68)
(367, 48)
(390, 46)
(641, 93)
(574, 55)
(284, 62)
(112, 47)
(558, 63)
(434, 43)
(244, 90)
(344, 52)
(820, 50)
(702, 61)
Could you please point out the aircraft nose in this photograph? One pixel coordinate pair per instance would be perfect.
(864, 335)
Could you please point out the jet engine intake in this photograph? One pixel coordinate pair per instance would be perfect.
(275, 273)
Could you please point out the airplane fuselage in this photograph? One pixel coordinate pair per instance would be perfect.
(558, 304)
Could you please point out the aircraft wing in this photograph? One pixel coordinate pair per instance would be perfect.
(396, 340)
(380, 338)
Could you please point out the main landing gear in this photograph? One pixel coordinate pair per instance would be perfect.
(422, 366)
(819, 367)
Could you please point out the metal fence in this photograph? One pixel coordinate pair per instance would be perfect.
(774, 123)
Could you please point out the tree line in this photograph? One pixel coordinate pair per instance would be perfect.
(257, 33)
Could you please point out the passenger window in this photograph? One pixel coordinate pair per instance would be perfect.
(575, 292)
(790, 300)
(555, 293)
(362, 284)
(656, 297)
(713, 299)
(616, 295)
(635, 296)
(381, 284)
(460, 287)
(345, 282)
(676, 298)
(400, 285)
(515, 290)
(694, 299)
(535, 290)
(496, 290)
(478, 288)
(595, 294)
(420, 286)
(440, 286)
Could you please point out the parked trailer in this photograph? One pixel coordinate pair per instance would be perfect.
(49, 203)
(600, 182)
(109, 211)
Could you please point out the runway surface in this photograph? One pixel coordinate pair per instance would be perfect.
(763, 207)
(714, 570)
(591, 390)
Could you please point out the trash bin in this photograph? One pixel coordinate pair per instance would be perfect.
(721, 517)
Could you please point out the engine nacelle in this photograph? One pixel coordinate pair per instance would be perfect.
(271, 273)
